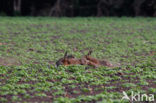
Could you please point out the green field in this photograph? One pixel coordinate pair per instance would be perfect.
(29, 48)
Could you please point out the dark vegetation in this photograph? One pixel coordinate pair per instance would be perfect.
(72, 8)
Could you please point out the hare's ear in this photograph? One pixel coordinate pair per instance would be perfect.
(65, 54)
(90, 52)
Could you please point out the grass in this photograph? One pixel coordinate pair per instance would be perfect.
(29, 48)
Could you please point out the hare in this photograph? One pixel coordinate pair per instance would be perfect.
(67, 60)
(95, 62)
(85, 60)
(88, 60)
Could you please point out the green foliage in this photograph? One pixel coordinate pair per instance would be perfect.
(29, 48)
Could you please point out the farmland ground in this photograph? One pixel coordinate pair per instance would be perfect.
(29, 48)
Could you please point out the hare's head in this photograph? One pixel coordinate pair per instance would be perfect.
(64, 60)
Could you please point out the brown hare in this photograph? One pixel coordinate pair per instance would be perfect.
(67, 60)
(96, 62)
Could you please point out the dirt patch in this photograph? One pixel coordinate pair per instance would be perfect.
(2, 44)
(8, 61)
(54, 37)
(82, 89)
(74, 30)
(51, 62)
(35, 62)
(39, 99)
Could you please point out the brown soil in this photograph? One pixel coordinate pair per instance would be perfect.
(8, 61)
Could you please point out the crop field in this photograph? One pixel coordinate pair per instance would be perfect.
(29, 48)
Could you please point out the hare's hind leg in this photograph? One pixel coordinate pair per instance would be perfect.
(95, 65)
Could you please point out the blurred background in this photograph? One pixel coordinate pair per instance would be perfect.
(82, 8)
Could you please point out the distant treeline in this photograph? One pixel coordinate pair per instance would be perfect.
(72, 8)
